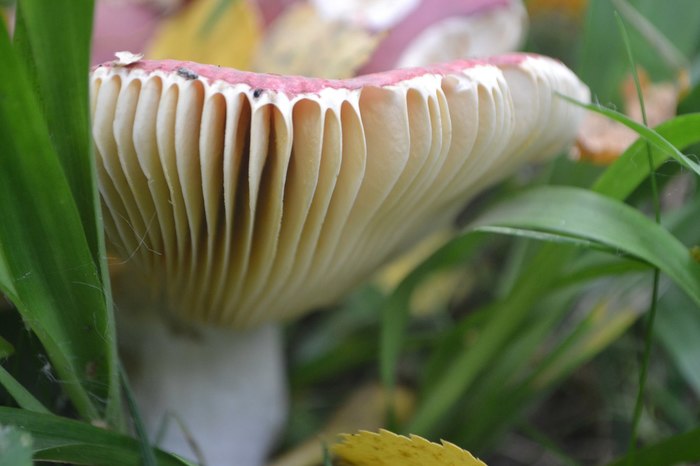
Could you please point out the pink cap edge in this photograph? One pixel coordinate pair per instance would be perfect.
(292, 85)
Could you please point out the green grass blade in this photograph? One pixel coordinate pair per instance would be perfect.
(45, 252)
(20, 394)
(15, 447)
(650, 135)
(104, 455)
(53, 39)
(6, 348)
(578, 213)
(639, 404)
(628, 171)
(58, 439)
(682, 448)
(148, 457)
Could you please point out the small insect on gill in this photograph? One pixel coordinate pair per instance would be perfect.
(187, 73)
(257, 93)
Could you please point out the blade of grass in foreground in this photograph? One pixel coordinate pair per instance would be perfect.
(582, 214)
(54, 281)
(53, 40)
(650, 135)
(622, 177)
(58, 439)
(649, 334)
(20, 394)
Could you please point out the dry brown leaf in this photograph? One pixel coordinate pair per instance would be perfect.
(602, 140)
(365, 409)
(207, 31)
(388, 449)
(300, 42)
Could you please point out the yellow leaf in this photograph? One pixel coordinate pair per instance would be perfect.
(218, 32)
(388, 449)
(303, 43)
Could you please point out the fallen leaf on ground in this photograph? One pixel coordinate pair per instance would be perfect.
(388, 449)
(210, 31)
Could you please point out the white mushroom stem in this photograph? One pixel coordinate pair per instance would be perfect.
(227, 388)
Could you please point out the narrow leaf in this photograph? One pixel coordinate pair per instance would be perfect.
(650, 135)
(59, 439)
(622, 177)
(578, 213)
(6, 348)
(44, 249)
(53, 40)
(20, 394)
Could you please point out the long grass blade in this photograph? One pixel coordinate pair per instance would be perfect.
(650, 135)
(20, 394)
(53, 40)
(54, 282)
(589, 216)
(57, 439)
(639, 403)
(622, 177)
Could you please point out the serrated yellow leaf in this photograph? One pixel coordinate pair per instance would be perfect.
(301, 42)
(218, 32)
(388, 449)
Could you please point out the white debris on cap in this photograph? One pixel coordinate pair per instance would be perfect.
(125, 58)
(248, 198)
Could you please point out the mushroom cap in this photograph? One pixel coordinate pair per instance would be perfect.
(245, 198)
(436, 30)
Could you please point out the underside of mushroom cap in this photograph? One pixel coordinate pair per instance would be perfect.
(246, 198)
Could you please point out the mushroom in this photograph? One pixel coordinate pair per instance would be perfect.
(245, 199)
(414, 32)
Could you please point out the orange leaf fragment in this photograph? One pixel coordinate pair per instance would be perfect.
(601, 140)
